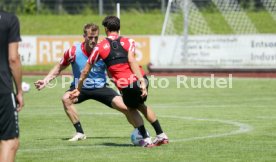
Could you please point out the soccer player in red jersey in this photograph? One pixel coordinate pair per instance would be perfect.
(118, 53)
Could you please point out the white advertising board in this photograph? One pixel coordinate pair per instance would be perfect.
(27, 50)
(215, 51)
(210, 51)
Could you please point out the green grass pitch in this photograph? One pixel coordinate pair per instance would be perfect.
(204, 124)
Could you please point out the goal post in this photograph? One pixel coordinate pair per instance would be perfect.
(189, 42)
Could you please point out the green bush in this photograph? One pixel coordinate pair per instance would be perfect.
(29, 7)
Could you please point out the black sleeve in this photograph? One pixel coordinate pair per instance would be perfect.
(14, 32)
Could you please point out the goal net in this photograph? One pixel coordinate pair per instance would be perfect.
(192, 38)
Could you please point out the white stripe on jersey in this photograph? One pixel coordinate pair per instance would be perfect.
(70, 50)
(131, 45)
(94, 56)
(61, 61)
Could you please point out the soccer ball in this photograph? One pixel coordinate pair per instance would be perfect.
(136, 137)
(25, 87)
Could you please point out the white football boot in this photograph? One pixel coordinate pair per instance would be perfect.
(146, 142)
(161, 139)
(77, 137)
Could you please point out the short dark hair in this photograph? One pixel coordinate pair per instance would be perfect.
(91, 26)
(112, 23)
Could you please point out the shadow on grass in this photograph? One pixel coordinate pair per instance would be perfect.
(111, 144)
(66, 139)
(117, 144)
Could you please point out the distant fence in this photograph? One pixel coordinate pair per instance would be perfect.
(102, 6)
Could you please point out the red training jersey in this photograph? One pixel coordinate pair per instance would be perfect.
(121, 73)
(69, 55)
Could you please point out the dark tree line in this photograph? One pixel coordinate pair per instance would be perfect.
(109, 6)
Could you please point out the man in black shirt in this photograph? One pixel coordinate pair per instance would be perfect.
(10, 69)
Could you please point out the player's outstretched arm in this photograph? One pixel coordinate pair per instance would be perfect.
(75, 93)
(40, 84)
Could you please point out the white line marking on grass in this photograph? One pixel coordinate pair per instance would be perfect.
(242, 128)
(266, 117)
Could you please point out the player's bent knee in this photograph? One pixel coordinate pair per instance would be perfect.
(117, 99)
(118, 104)
(65, 99)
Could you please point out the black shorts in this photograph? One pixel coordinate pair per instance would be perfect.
(8, 117)
(104, 95)
(132, 94)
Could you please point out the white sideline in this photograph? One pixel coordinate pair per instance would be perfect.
(242, 128)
